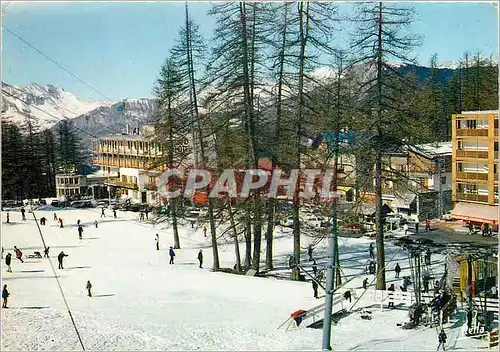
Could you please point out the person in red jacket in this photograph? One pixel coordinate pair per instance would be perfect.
(19, 254)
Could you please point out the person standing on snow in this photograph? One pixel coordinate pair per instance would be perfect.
(372, 254)
(80, 231)
(61, 223)
(89, 288)
(205, 230)
(102, 213)
(8, 259)
(397, 269)
(157, 240)
(23, 213)
(46, 252)
(96, 224)
(314, 267)
(315, 287)
(43, 220)
(365, 283)
(310, 252)
(442, 339)
(8, 218)
(60, 258)
(114, 213)
(171, 253)
(200, 258)
(55, 217)
(5, 296)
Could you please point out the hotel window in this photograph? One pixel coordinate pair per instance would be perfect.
(471, 124)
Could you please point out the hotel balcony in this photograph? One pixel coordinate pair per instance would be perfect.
(468, 197)
(118, 183)
(473, 154)
(475, 176)
(479, 132)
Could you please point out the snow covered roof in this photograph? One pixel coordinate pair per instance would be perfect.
(433, 150)
(479, 112)
(123, 137)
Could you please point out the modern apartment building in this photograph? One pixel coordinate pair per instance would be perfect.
(475, 166)
(132, 162)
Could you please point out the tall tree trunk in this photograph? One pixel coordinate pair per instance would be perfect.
(304, 26)
(248, 241)
(173, 201)
(235, 235)
(378, 165)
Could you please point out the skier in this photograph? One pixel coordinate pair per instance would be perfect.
(8, 218)
(397, 269)
(102, 213)
(427, 224)
(310, 252)
(114, 213)
(172, 255)
(80, 231)
(365, 283)
(55, 217)
(347, 296)
(426, 283)
(192, 224)
(372, 267)
(5, 296)
(46, 252)
(315, 288)
(442, 339)
(146, 212)
(89, 288)
(8, 259)
(157, 240)
(61, 225)
(204, 230)
(96, 224)
(23, 211)
(200, 258)
(314, 267)
(372, 254)
(391, 300)
(43, 220)
(19, 254)
(60, 258)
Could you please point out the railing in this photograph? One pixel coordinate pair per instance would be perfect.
(119, 183)
(475, 154)
(472, 197)
(481, 176)
(480, 132)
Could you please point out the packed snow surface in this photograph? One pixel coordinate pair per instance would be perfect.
(140, 302)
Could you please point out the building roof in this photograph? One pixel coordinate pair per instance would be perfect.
(433, 150)
(479, 112)
(124, 137)
(476, 212)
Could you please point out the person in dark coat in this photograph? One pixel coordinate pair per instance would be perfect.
(315, 288)
(157, 240)
(46, 252)
(428, 257)
(102, 213)
(8, 218)
(55, 217)
(314, 268)
(114, 213)
(23, 213)
(365, 283)
(347, 296)
(8, 259)
(171, 253)
(397, 269)
(61, 225)
(310, 252)
(80, 231)
(146, 212)
(60, 258)
(372, 254)
(205, 231)
(391, 289)
(43, 220)
(19, 254)
(200, 258)
(5, 296)
(96, 224)
(89, 288)
(442, 339)
(372, 267)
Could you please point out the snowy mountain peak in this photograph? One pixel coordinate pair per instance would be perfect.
(44, 104)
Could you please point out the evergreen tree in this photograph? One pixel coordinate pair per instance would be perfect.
(12, 162)
(68, 147)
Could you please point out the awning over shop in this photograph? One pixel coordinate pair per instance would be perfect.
(476, 212)
(403, 202)
(344, 188)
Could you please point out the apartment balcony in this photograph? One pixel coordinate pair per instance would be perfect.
(476, 176)
(479, 132)
(119, 183)
(473, 154)
(482, 198)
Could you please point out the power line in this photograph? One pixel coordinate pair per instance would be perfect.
(56, 63)
(59, 284)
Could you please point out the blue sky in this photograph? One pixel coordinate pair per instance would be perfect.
(118, 48)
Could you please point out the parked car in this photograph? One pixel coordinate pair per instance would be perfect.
(55, 203)
(77, 204)
(287, 222)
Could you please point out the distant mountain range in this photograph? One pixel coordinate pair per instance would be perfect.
(101, 118)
